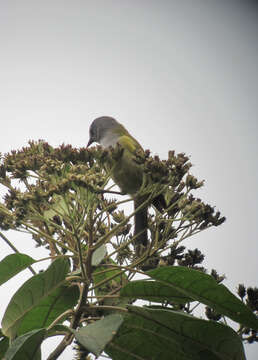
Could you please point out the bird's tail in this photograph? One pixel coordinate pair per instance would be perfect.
(141, 224)
(159, 202)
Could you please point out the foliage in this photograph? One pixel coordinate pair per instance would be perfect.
(63, 199)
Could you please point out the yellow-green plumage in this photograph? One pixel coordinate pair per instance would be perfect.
(125, 172)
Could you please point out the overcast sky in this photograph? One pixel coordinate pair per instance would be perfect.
(179, 75)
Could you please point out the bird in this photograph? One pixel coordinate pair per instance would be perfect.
(125, 172)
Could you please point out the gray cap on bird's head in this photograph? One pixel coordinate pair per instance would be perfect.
(100, 127)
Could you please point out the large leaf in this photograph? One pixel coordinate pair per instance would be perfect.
(26, 347)
(31, 293)
(153, 291)
(204, 288)
(42, 315)
(96, 336)
(12, 265)
(166, 334)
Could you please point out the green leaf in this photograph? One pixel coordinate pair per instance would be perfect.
(96, 336)
(42, 315)
(166, 334)
(31, 293)
(26, 347)
(204, 288)
(99, 255)
(12, 265)
(153, 291)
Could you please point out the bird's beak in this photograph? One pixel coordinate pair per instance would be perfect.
(89, 143)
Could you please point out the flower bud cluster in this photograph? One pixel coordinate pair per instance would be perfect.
(57, 186)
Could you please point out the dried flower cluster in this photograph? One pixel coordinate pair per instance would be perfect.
(58, 195)
(250, 297)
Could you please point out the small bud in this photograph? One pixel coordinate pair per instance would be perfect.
(252, 300)
(56, 219)
(220, 221)
(217, 277)
(241, 291)
(212, 314)
(118, 216)
(2, 172)
(181, 186)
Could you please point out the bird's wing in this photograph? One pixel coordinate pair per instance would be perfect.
(129, 143)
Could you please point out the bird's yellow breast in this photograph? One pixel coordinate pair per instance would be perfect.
(126, 173)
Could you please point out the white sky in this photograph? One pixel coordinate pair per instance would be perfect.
(178, 74)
